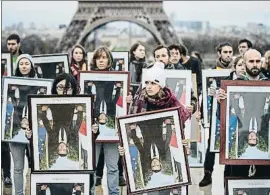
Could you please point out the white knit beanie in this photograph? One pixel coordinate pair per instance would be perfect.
(27, 56)
(156, 74)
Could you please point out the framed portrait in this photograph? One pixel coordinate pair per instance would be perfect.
(51, 65)
(120, 60)
(110, 90)
(155, 158)
(60, 183)
(6, 64)
(245, 122)
(247, 186)
(89, 59)
(212, 77)
(15, 106)
(62, 135)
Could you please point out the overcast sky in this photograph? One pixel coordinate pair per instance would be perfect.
(218, 13)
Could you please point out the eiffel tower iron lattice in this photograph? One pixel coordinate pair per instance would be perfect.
(91, 15)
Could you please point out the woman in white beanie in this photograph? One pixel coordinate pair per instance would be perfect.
(25, 68)
(154, 95)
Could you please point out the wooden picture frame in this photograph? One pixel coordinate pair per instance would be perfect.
(6, 64)
(62, 137)
(60, 183)
(15, 105)
(117, 55)
(51, 65)
(245, 123)
(171, 163)
(108, 103)
(210, 104)
(246, 186)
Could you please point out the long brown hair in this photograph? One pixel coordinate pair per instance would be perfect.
(97, 54)
(84, 60)
(132, 49)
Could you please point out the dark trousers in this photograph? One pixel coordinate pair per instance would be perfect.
(209, 157)
(5, 155)
(100, 165)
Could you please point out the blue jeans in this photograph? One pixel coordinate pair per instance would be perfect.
(18, 155)
(111, 157)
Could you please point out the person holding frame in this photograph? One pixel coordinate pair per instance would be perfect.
(252, 61)
(65, 84)
(102, 61)
(13, 46)
(78, 60)
(156, 96)
(239, 70)
(25, 68)
(224, 61)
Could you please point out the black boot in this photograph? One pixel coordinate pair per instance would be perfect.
(122, 181)
(98, 181)
(7, 182)
(207, 179)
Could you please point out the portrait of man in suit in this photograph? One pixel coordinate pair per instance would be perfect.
(157, 146)
(250, 137)
(63, 130)
(16, 121)
(106, 94)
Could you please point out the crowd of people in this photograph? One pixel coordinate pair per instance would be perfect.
(151, 95)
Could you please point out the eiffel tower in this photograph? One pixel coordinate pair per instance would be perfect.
(91, 15)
